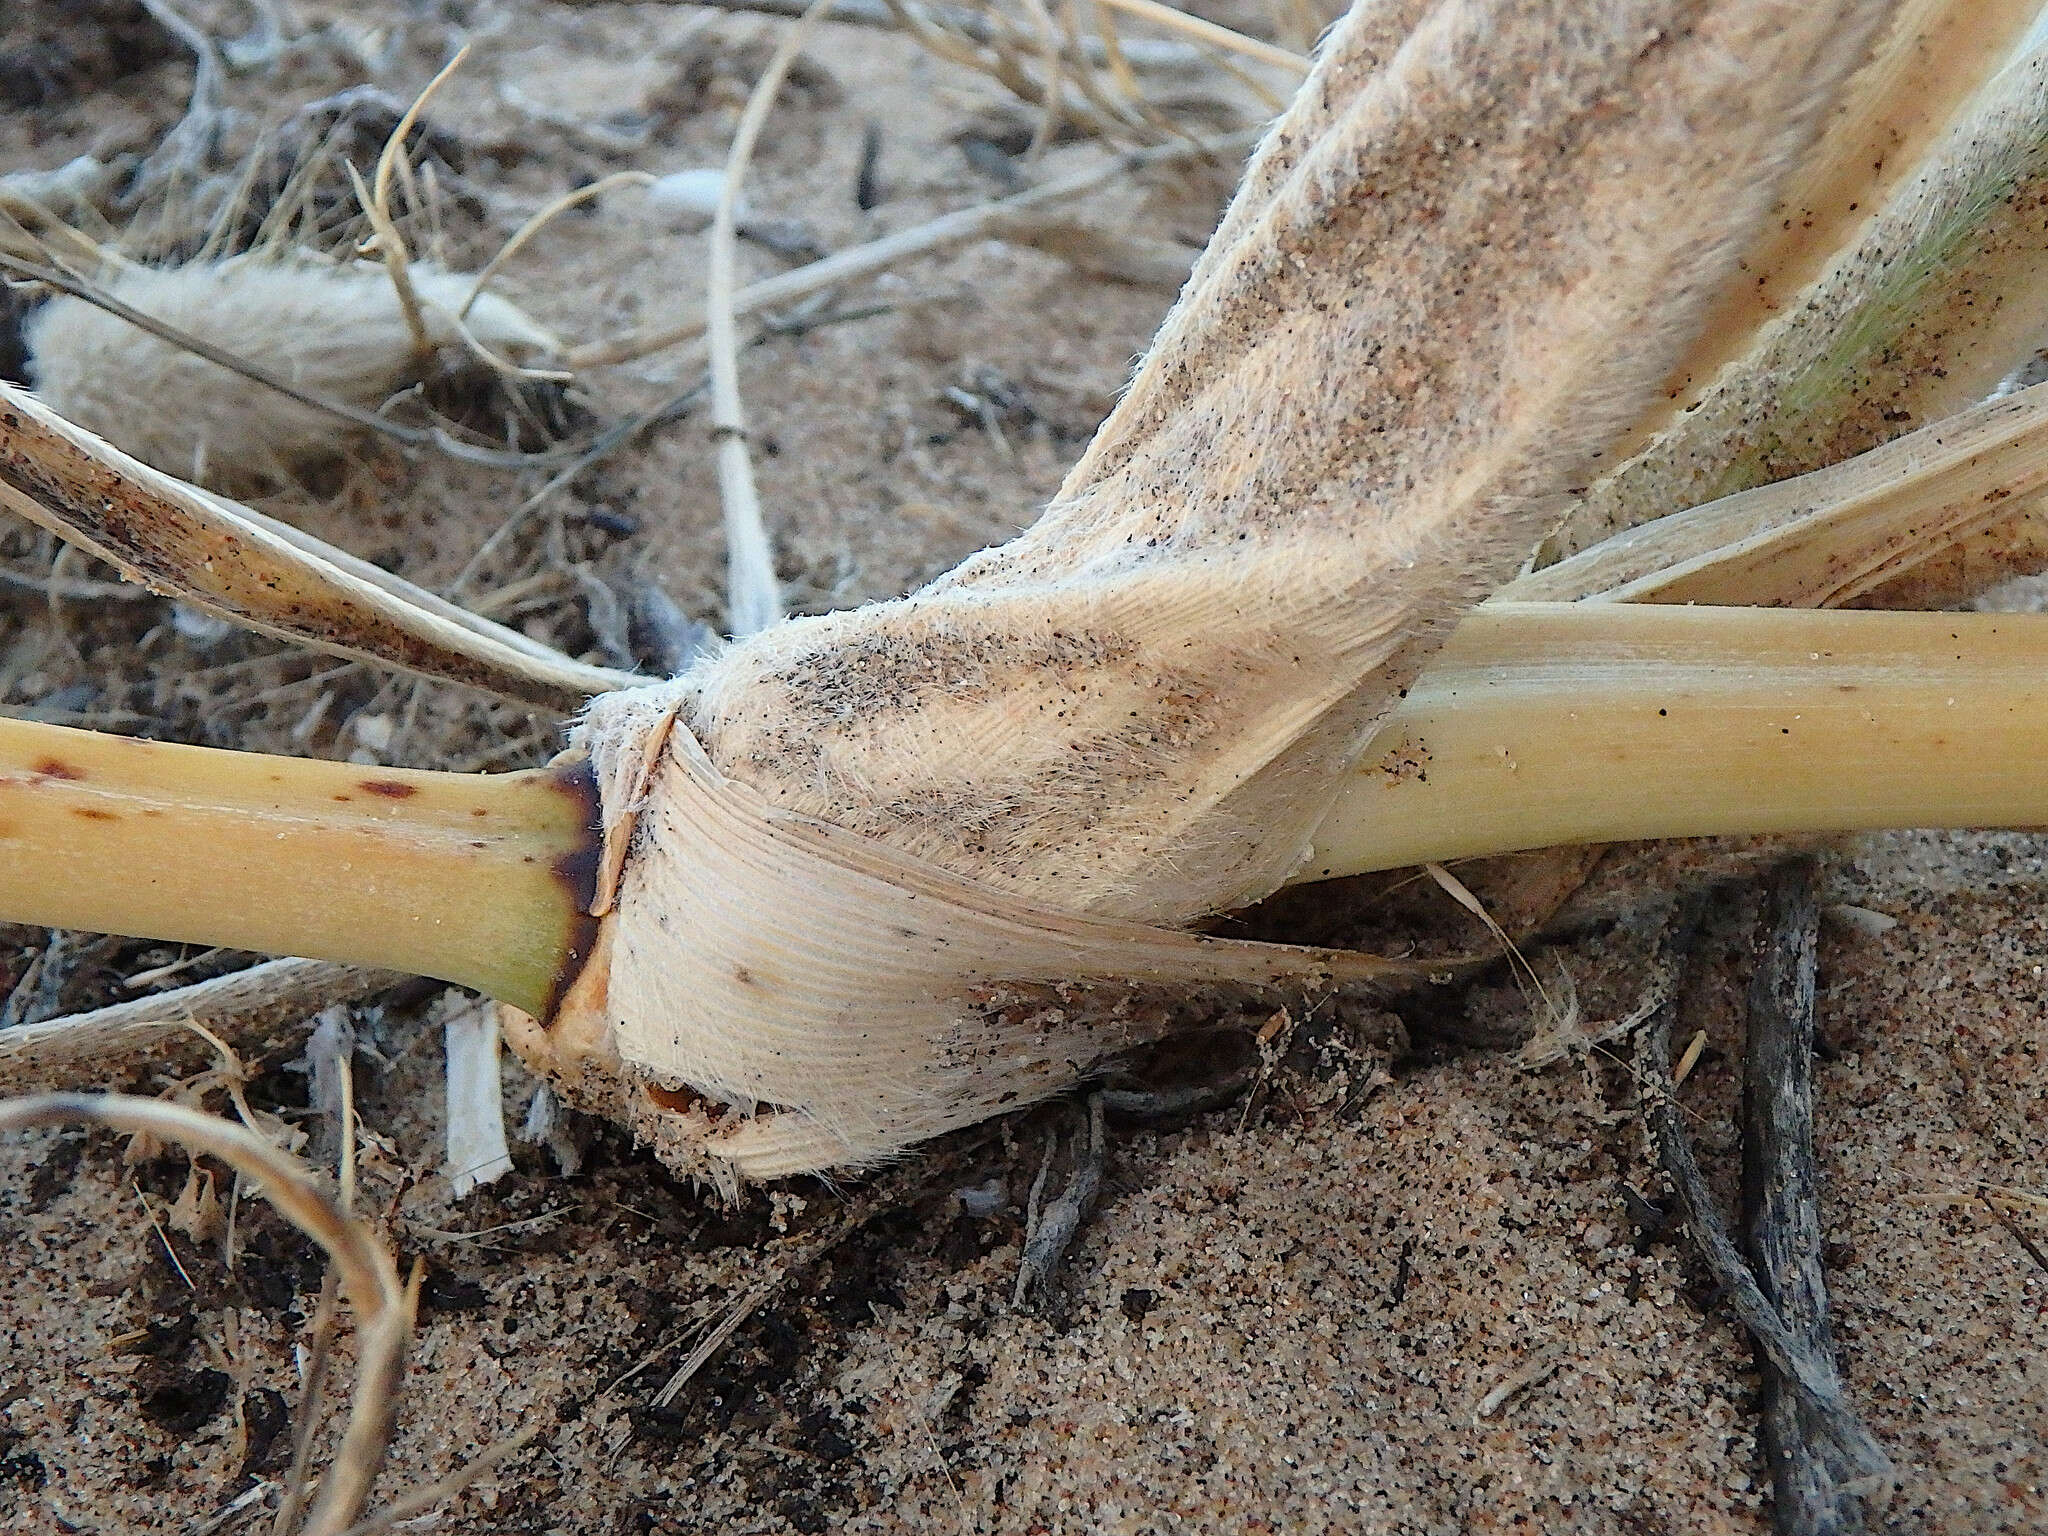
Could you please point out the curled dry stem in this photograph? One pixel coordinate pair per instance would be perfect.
(575, 198)
(385, 240)
(384, 1305)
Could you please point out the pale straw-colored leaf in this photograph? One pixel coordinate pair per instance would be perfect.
(187, 543)
(1935, 302)
(1829, 538)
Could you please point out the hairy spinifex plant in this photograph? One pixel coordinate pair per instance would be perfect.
(1492, 280)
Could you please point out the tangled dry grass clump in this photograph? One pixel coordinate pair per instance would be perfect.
(1502, 367)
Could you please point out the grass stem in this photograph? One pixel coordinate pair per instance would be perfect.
(1540, 724)
(479, 879)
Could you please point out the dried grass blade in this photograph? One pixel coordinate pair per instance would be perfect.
(1825, 539)
(186, 543)
(975, 25)
(1210, 34)
(1938, 299)
(435, 1494)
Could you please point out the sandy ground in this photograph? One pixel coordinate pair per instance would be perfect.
(1294, 1312)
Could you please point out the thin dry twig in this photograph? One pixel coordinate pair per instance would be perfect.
(1832, 1422)
(319, 1356)
(1053, 1229)
(1781, 1204)
(437, 1493)
(385, 240)
(934, 235)
(367, 1273)
(239, 1005)
(753, 597)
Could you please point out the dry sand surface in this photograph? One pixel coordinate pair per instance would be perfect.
(1416, 1290)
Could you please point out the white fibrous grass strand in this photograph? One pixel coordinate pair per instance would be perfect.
(691, 196)
(519, 238)
(753, 595)
(477, 1150)
(1210, 34)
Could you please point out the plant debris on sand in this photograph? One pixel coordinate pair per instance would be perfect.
(1405, 1284)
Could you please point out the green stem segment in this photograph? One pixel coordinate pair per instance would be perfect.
(480, 879)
